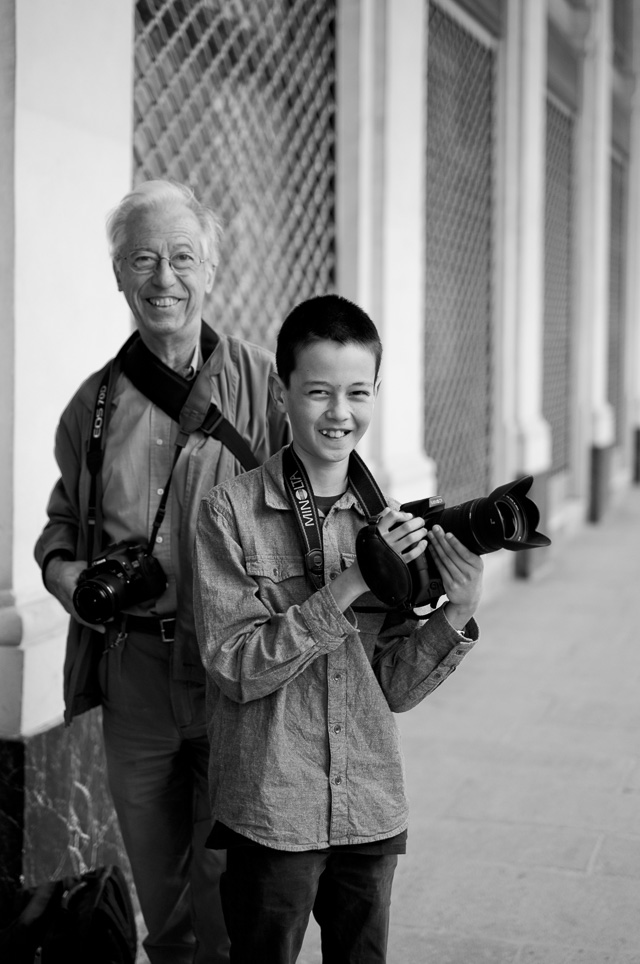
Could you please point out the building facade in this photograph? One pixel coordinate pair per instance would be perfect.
(466, 170)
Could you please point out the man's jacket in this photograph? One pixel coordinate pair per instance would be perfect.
(239, 387)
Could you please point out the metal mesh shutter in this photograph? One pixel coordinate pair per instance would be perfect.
(237, 99)
(558, 282)
(617, 280)
(458, 344)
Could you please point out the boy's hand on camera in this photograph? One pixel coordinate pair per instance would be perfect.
(61, 579)
(408, 539)
(461, 572)
(403, 532)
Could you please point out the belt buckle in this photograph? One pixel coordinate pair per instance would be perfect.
(168, 629)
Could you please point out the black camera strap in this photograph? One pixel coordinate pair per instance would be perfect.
(95, 448)
(176, 396)
(305, 510)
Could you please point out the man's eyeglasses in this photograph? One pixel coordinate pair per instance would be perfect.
(143, 262)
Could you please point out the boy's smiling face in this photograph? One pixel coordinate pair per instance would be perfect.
(329, 401)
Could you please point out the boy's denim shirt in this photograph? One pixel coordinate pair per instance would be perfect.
(305, 751)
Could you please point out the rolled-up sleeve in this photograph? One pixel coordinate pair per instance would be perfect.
(409, 667)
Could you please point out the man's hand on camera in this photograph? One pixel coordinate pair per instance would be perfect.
(461, 572)
(61, 579)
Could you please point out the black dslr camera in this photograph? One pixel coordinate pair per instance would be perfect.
(124, 575)
(506, 519)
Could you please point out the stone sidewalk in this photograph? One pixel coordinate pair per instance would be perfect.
(524, 773)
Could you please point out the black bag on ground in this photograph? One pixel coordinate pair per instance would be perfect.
(73, 920)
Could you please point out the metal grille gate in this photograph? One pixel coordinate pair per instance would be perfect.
(558, 292)
(617, 282)
(237, 99)
(458, 344)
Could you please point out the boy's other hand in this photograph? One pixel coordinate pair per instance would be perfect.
(461, 572)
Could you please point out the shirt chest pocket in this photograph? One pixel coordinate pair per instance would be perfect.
(281, 580)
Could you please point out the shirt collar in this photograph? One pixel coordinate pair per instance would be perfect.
(192, 368)
(275, 493)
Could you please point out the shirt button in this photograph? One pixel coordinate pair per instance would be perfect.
(160, 491)
(337, 728)
(158, 538)
(338, 781)
(337, 677)
(159, 441)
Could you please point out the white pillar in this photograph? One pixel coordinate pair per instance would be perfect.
(528, 44)
(72, 123)
(594, 236)
(381, 226)
(633, 234)
(410, 472)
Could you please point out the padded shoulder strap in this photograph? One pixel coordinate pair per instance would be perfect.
(170, 392)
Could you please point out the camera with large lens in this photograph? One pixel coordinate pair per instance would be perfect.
(124, 575)
(506, 519)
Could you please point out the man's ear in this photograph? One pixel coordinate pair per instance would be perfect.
(376, 387)
(116, 272)
(278, 392)
(210, 275)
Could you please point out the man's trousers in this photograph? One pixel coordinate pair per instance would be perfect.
(157, 761)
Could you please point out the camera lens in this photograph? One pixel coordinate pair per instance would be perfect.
(99, 599)
(514, 522)
(502, 520)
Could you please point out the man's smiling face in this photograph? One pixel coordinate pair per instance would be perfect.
(165, 304)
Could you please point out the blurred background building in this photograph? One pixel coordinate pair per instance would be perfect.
(466, 170)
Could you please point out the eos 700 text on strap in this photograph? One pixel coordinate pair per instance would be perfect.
(305, 510)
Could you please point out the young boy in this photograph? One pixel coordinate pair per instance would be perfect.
(306, 771)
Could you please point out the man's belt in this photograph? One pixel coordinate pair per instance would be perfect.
(164, 627)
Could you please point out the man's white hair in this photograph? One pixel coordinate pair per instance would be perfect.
(156, 194)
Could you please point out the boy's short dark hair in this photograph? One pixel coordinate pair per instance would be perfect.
(326, 317)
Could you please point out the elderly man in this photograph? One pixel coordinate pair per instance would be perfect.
(137, 447)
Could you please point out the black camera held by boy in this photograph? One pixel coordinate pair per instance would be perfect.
(124, 575)
(506, 519)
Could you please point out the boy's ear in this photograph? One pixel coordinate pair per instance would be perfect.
(278, 392)
(376, 387)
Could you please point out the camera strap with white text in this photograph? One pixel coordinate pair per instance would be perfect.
(305, 509)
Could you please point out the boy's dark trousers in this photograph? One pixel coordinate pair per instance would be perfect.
(268, 895)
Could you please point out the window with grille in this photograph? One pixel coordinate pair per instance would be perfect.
(458, 389)
(558, 292)
(237, 100)
(617, 281)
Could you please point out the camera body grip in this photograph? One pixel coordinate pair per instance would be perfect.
(383, 569)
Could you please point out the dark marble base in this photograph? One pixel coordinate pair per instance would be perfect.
(56, 815)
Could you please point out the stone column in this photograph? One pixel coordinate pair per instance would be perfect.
(65, 160)
(381, 196)
(594, 186)
(633, 233)
(526, 438)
